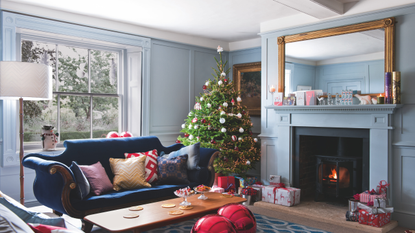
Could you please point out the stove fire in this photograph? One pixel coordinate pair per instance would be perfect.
(333, 175)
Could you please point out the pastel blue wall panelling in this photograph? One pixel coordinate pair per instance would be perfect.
(302, 75)
(402, 151)
(369, 75)
(178, 72)
(247, 56)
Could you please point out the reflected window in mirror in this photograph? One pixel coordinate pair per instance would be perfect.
(288, 71)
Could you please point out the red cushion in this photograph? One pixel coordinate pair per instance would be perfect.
(150, 164)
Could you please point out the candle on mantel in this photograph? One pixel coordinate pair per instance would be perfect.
(381, 99)
(272, 89)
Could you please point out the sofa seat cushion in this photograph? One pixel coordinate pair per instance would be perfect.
(115, 198)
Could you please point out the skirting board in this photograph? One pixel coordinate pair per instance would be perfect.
(322, 212)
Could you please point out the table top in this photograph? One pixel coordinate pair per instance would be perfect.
(154, 216)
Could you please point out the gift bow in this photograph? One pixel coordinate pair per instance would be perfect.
(382, 186)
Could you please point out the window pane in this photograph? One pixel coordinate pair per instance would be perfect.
(37, 114)
(104, 72)
(105, 116)
(40, 52)
(75, 117)
(73, 69)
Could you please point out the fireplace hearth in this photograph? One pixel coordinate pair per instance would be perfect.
(330, 163)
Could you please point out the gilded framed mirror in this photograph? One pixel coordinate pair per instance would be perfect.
(247, 80)
(368, 42)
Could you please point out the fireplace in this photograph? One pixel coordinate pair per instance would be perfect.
(330, 163)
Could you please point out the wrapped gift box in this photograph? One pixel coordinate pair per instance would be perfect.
(376, 220)
(258, 188)
(268, 194)
(274, 179)
(248, 181)
(227, 182)
(287, 196)
(365, 197)
(281, 196)
(217, 189)
(375, 210)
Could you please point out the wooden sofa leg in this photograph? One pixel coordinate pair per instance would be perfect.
(86, 226)
(57, 213)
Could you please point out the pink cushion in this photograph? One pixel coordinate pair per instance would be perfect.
(97, 178)
(151, 166)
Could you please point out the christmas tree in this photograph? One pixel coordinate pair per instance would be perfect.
(220, 121)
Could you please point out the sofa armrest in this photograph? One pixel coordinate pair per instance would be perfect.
(53, 184)
(211, 168)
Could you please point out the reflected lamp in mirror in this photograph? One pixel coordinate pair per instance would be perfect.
(29, 81)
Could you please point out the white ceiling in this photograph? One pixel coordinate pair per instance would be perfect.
(226, 20)
(230, 21)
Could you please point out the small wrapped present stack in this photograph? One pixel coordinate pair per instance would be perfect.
(249, 191)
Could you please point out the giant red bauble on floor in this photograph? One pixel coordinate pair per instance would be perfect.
(213, 223)
(243, 219)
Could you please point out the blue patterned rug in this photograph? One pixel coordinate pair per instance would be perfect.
(264, 224)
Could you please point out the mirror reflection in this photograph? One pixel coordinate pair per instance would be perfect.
(332, 64)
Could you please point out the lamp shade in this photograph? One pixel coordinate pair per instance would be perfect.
(30, 81)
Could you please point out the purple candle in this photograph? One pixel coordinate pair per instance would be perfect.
(388, 88)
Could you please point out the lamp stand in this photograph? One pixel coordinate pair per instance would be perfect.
(21, 152)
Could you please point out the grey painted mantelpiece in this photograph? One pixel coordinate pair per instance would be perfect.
(376, 118)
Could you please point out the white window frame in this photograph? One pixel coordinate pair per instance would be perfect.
(80, 43)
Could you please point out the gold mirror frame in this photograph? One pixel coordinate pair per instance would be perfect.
(388, 24)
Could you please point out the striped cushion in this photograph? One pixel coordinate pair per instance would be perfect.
(151, 164)
(128, 173)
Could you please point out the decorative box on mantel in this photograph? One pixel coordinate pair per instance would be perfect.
(277, 135)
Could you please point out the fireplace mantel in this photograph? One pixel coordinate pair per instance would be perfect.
(277, 139)
(373, 108)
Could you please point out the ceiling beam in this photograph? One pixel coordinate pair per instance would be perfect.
(319, 9)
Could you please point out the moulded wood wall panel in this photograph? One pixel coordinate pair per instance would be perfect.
(169, 87)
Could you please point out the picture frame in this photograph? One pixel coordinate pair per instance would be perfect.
(247, 80)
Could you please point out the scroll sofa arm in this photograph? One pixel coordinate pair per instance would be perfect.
(211, 168)
(53, 184)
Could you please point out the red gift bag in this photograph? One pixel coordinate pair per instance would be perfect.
(227, 182)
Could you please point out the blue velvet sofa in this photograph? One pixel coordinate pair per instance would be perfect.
(55, 183)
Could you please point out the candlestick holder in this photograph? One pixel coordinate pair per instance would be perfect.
(272, 91)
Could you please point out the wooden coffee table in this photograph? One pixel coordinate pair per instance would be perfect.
(154, 216)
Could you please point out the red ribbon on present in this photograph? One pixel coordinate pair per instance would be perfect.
(383, 185)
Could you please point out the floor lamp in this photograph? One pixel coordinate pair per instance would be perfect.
(30, 81)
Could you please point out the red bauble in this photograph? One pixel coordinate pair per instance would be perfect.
(213, 141)
(203, 121)
(236, 148)
(126, 134)
(178, 141)
(204, 87)
(213, 223)
(225, 80)
(113, 134)
(186, 135)
(234, 138)
(243, 112)
(240, 216)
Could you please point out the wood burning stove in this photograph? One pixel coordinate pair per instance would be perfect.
(321, 153)
(337, 176)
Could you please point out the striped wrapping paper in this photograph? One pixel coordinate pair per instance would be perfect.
(365, 197)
